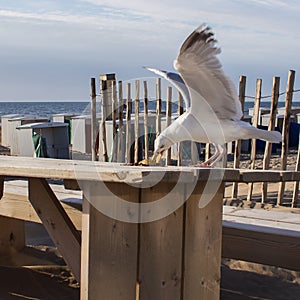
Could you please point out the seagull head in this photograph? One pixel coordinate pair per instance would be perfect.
(161, 144)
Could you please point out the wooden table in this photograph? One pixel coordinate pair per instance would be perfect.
(131, 248)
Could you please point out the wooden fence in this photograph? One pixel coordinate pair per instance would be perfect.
(128, 129)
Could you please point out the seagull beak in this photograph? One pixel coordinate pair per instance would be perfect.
(156, 158)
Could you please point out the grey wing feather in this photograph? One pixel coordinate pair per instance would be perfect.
(177, 81)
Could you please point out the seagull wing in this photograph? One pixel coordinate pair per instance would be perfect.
(202, 72)
(177, 81)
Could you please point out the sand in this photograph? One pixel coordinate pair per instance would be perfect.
(40, 273)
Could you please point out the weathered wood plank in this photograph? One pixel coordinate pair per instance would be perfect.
(160, 254)
(260, 176)
(261, 245)
(109, 246)
(57, 223)
(202, 251)
(19, 207)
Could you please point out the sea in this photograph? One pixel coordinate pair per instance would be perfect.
(47, 109)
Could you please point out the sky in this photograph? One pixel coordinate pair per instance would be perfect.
(50, 49)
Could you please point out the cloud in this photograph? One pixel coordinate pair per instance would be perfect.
(81, 37)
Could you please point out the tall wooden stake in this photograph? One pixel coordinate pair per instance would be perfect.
(272, 124)
(168, 120)
(128, 123)
(180, 112)
(146, 135)
(286, 130)
(158, 106)
(238, 144)
(255, 124)
(94, 127)
(136, 121)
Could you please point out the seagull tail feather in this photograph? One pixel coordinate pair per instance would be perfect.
(269, 136)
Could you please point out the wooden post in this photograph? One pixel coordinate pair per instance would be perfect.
(109, 247)
(202, 254)
(180, 112)
(120, 156)
(168, 120)
(255, 124)
(296, 184)
(94, 127)
(238, 144)
(161, 250)
(272, 123)
(136, 121)
(106, 82)
(128, 123)
(114, 123)
(158, 106)
(286, 130)
(146, 135)
(56, 221)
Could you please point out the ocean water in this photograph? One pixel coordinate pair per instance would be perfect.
(47, 109)
(44, 109)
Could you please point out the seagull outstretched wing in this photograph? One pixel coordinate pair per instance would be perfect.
(202, 72)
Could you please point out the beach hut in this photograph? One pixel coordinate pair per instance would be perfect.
(44, 140)
(81, 133)
(5, 140)
(65, 118)
(12, 129)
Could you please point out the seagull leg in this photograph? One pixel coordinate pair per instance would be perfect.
(208, 162)
(221, 153)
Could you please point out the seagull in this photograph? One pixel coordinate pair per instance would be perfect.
(213, 111)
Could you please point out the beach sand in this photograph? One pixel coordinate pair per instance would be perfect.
(39, 272)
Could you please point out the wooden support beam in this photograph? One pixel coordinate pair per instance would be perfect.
(59, 226)
(109, 247)
(202, 249)
(161, 250)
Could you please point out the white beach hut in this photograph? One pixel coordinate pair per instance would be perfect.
(44, 140)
